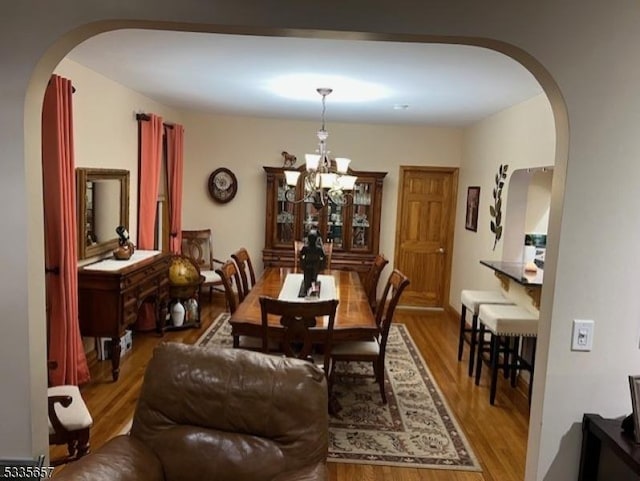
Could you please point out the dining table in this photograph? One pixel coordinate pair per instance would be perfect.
(354, 319)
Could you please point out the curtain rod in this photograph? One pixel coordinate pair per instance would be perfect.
(73, 89)
(146, 117)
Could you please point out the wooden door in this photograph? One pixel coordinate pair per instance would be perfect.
(424, 233)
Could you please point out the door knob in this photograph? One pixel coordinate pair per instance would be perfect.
(441, 250)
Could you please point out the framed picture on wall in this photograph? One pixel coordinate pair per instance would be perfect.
(634, 384)
(473, 201)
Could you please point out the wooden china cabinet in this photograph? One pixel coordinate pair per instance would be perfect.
(353, 228)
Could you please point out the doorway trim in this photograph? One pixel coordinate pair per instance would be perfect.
(30, 147)
(454, 171)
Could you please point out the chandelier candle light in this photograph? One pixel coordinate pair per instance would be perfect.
(323, 181)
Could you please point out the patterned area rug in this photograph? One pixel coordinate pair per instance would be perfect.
(415, 429)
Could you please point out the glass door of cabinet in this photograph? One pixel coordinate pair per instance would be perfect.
(285, 215)
(335, 219)
(361, 216)
(312, 219)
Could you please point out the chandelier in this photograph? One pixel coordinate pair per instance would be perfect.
(324, 179)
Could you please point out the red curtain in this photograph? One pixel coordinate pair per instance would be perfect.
(61, 259)
(175, 162)
(148, 179)
(151, 129)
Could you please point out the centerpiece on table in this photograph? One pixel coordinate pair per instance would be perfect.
(312, 260)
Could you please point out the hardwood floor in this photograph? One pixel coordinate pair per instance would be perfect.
(497, 434)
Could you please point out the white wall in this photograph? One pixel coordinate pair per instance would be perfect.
(245, 144)
(583, 52)
(526, 209)
(538, 202)
(522, 136)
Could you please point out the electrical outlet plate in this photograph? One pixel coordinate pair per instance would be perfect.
(582, 336)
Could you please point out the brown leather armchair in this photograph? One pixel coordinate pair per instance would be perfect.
(223, 414)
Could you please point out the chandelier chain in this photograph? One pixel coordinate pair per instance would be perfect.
(324, 108)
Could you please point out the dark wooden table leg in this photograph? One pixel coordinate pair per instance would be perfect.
(590, 453)
(161, 309)
(115, 357)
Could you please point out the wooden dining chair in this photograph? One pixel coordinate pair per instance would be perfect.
(230, 280)
(197, 245)
(245, 268)
(234, 294)
(374, 350)
(372, 279)
(297, 247)
(297, 319)
(328, 253)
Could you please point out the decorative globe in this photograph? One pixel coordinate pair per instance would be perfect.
(182, 272)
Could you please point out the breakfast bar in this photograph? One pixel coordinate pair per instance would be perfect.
(509, 272)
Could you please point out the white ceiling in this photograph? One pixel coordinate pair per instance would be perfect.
(445, 85)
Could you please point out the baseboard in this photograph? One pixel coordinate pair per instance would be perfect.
(453, 313)
(419, 308)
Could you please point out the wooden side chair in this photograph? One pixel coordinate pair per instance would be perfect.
(230, 280)
(234, 294)
(374, 350)
(297, 319)
(243, 263)
(197, 245)
(69, 420)
(328, 252)
(372, 279)
(297, 247)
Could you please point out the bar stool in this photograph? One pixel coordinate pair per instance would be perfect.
(507, 325)
(472, 300)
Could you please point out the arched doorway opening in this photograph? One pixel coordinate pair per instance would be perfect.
(48, 62)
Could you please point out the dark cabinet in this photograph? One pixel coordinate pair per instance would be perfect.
(353, 228)
(109, 297)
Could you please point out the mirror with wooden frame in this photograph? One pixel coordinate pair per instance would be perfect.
(103, 205)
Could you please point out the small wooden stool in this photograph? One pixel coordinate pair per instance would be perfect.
(472, 300)
(507, 325)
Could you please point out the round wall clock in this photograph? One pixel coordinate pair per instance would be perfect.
(222, 185)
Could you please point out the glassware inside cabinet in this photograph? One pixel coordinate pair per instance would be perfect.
(362, 194)
(311, 218)
(285, 215)
(335, 216)
(360, 234)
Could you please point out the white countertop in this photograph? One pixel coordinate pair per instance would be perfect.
(115, 264)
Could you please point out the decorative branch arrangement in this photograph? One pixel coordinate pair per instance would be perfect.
(496, 209)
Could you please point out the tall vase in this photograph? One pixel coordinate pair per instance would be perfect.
(191, 308)
(177, 314)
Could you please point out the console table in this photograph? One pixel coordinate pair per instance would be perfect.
(110, 292)
(598, 431)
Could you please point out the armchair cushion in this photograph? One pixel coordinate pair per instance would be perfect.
(223, 414)
(123, 458)
(232, 414)
(211, 277)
